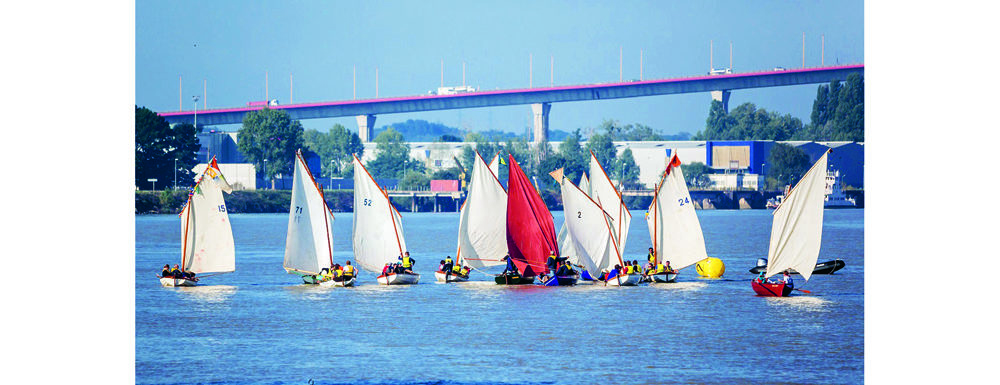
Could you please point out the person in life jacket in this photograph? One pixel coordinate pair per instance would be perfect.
(166, 272)
(510, 269)
(651, 256)
(448, 265)
(349, 270)
(181, 274)
(465, 271)
(457, 269)
(787, 278)
(388, 268)
(407, 262)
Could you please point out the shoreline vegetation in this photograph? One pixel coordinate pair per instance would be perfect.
(278, 201)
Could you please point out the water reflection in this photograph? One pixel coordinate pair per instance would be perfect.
(207, 294)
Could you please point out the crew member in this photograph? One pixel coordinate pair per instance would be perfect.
(788, 279)
(651, 256)
(510, 269)
(348, 271)
(407, 262)
(448, 265)
(166, 272)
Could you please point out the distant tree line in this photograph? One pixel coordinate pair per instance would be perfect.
(163, 152)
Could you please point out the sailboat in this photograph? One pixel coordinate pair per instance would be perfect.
(206, 235)
(796, 231)
(531, 236)
(309, 243)
(605, 193)
(482, 230)
(592, 236)
(378, 229)
(673, 224)
(565, 238)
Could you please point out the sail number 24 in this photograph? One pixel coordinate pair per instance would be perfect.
(683, 201)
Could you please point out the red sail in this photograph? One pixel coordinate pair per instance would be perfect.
(530, 232)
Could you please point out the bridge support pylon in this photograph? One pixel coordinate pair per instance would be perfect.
(541, 115)
(722, 96)
(366, 123)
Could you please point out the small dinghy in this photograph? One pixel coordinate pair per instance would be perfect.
(399, 279)
(340, 283)
(206, 236)
(796, 231)
(378, 229)
(673, 225)
(592, 231)
(771, 289)
(170, 282)
(505, 279)
(625, 280)
(444, 277)
(309, 240)
(828, 267)
(567, 280)
(663, 277)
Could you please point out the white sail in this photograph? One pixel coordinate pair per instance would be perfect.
(378, 229)
(309, 242)
(673, 225)
(797, 226)
(605, 193)
(566, 248)
(482, 225)
(206, 235)
(590, 231)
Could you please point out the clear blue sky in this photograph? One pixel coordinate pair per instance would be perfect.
(232, 44)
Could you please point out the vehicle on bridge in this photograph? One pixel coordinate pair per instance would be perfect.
(720, 71)
(452, 90)
(261, 103)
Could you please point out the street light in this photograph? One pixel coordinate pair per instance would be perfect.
(331, 173)
(265, 174)
(175, 173)
(195, 97)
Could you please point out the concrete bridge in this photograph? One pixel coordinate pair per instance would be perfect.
(456, 197)
(540, 99)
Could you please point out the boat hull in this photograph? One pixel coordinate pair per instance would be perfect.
(663, 277)
(828, 267)
(312, 279)
(399, 279)
(341, 283)
(770, 289)
(513, 280)
(585, 275)
(442, 277)
(625, 280)
(172, 282)
(568, 280)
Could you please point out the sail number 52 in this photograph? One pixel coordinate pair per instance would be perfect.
(368, 202)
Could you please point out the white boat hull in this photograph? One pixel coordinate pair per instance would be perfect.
(663, 277)
(625, 280)
(442, 277)
(399, 279)
(171, 282)
(341, 283)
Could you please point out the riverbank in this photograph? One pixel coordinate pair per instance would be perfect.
(277, 201)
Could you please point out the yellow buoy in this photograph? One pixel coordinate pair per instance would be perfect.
(711, 267)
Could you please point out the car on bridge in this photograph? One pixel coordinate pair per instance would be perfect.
(451, 90)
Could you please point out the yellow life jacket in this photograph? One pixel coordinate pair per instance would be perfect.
(340, 272)
(630, 269)
(406, 262)
(465, 271)
(660, 268)
(456, 268)
(349, 270)
(652, 258)
(447, 260)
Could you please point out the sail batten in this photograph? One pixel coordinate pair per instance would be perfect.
(377, 233)
(309, 241)
(673, 223)
(797, 224)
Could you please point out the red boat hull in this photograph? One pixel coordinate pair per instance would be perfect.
(770, 289)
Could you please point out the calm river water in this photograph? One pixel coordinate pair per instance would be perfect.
(259, 325)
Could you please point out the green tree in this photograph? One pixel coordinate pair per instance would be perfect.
(820, 113)
(392, 156)
(628, 171)
(338, 144)
(270, 134)
(414, 180)
(574, 159)
(696, 174)
(787, 165)
(157, 145)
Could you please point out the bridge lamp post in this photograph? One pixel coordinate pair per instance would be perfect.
(195, 97)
